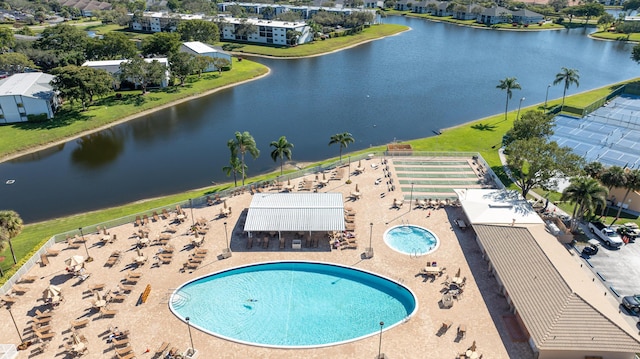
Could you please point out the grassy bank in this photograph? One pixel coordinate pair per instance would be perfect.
(605, 35)
(322, 46)
(483, 136)
(474, 23)
(71, 120)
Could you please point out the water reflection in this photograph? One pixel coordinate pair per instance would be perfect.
(39, 155)
(98, 149)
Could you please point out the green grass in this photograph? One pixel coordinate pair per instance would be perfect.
(322, 46)
(474, 23)
(483, 136)
(72, 120)
(616, 36)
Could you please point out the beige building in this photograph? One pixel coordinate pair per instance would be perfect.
(562, 311)
(632, 203)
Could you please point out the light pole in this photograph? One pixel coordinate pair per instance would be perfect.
(227, 252)
(85, 244)
(411, 200)
(349, 167)
(370, 249)
(15, 324)
(546, 97)
(192, 350)
(191, 207)
(380, 355)
(520, 105)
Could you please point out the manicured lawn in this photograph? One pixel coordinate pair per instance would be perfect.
(616, 36)
(72, 120)
(322, 46)
(473, 23)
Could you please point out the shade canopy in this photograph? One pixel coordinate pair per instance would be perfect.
(295, 212)
(51, 291)
(74, 261)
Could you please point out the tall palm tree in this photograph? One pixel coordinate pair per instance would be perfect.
(343, 139)
(632, 184)
(613, 176)
(10, 226)
(234, 167)
(243, 143)
(508, 84)
(569, 77)
(587, 194)
(281, 149)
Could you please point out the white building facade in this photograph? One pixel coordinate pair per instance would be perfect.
(198, 48)
(113, 67)
(268, 31)
(23, 95)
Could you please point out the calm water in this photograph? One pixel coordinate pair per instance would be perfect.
(313, 304)
(411, 240)
(399, 88)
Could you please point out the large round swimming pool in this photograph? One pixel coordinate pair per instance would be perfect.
(293, 304)
(411, 239)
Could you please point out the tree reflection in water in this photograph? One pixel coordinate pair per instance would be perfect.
(97, 149)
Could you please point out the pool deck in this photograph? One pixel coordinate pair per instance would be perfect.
(150, 324)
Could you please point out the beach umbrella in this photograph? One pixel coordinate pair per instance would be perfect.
(317, 177)
(75, 262)
(289, 181)
(357, 188)
(324, 177)
(224, 203)
(51, 291)
(458, 273)
(360, 163)
(473, 346)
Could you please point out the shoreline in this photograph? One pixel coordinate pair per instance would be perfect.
(127, 119)
(320, 54)
(176, 102)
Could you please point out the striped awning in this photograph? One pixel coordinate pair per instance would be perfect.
(295, 212)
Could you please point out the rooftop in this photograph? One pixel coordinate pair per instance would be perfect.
(34, 84)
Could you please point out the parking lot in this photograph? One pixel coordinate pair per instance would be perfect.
(619, 269)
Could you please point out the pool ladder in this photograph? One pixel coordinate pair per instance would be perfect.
(415, 253)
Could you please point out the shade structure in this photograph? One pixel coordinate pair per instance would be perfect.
(51, 291)
(74, 261)
(295, 212)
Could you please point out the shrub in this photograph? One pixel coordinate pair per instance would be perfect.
(42, 117)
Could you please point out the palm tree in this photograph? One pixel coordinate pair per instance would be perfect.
(234, 167)
(569, 77)
(343, 139)
(632, 184)
(587, 194)
(243, 143)
(613, 176)
(594, 169)
(281, 149)
(508, 84)
(10, 226)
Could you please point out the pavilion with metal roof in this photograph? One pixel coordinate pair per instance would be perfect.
(295, 212)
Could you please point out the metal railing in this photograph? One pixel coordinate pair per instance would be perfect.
(202, 200)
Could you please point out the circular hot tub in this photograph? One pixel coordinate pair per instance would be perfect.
(411, 239)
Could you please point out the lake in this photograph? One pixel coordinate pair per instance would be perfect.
(402, 87)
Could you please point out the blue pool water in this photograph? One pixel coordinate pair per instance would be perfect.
(293, 304)
(411, 239)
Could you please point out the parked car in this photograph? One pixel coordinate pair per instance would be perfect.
(632, 303)
(591, 249)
